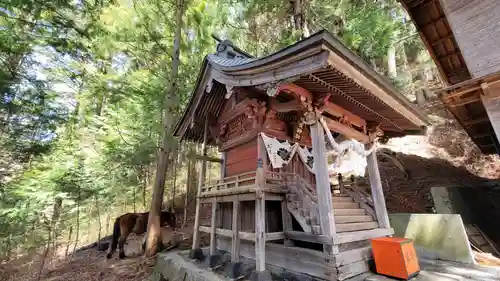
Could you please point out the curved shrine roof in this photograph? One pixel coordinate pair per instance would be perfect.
(320, 64)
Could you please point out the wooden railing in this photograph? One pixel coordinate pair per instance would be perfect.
(362, 197)
(230, 182)
(295, 179)
(273, 179)
(298, 185)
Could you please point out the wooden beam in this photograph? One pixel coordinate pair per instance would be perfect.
(448, 55)
(377, 191)
(231, 198)
(486, 145)
(282, 70)
(464, 101)
(213, 243)
(324, 194)
(339, 111)
(223, 165)
(260, 207)
(308, 237)
(433, 22)
(350, 270)
(472, 83)
(272, 188)
(247, 236)
(457, 93)
(287, 221)
(361, 235)
(273, 236)
(207, 158)
(294, 259)
(491, 89)
(235, 242)
(479, 136)
(450, 36)
(476, 121)
(352, 72)
(297, 90)
(352, 100)
(346, 130)
(201, 180)
(492, 107)
(355, 255)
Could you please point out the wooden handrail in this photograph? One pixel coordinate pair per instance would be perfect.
(363, 194)
(235, 180)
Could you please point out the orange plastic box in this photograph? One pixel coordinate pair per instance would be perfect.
(395, 257)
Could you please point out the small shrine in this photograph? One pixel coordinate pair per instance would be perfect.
(294, 128)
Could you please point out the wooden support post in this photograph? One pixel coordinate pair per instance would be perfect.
(287, 221)
(341, 183)
(201, 181)
(223, 165)
(213, 227)
(492, 107)
(260, 207)
(377, 191)
(326, 218)
(235, 246)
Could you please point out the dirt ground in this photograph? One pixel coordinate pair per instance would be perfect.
(92, 265)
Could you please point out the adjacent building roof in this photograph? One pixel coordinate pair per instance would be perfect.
(320, 64)
(462, 98)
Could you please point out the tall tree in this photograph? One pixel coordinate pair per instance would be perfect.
(154, 232)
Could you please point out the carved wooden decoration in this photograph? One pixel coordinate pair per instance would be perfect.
(209, 86)
(374, 131)
(229, 91)
(273, 88)
(256, 112)
(274, 126)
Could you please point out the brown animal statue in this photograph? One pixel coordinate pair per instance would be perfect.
(136, 223)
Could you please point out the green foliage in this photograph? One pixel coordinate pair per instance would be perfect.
(82, 87)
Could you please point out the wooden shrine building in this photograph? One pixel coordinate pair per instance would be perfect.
(275, 119)
(463, 39)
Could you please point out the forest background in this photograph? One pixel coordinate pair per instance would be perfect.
(84, 86)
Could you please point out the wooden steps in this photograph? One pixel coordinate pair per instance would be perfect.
(340, 195)
(343, 199)
(357, 226)
(349, 212)
(345, 205)
(362, 235)
(353, 218)
(479, 241)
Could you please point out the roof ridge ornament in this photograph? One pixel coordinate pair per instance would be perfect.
(226, 49)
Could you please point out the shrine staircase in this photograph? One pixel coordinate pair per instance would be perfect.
(355, 223)
(352, 209)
